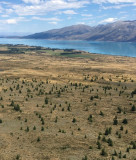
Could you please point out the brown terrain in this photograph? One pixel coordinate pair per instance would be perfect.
(66, 105)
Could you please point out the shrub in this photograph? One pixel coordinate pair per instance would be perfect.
(18, 157)
(0, 120)
(125, 121)
(46, 100)
(99, 145)
(38, 139)
(110, 142)
(68, 108)
(127, 150)
(74, 120)
(112, 158)
(119, 136)
(42, 122)
(121, 128)
(103, 152)
(124, 156)
(104, 139)
(108, 131)
(34, 128)
(101, 113)
(115, 121)
(27, 129)
(119, 110)
(126, 132)
(90, 147)
(133, 108)
(115, 153)
(42, 129)
(56, 119)
(90, 118)
(133, 145)
(133, 92)
(12, 103)
(17, 107)
(99, 137)
(84, 158)
(91, 98)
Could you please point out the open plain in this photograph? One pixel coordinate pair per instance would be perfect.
(66, 105)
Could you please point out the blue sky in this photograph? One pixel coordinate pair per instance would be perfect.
(30, 16)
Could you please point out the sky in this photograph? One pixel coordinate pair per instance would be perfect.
(31, 16)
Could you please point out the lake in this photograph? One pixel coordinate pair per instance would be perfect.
(109, 48)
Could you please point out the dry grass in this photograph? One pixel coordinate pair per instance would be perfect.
(68, 83)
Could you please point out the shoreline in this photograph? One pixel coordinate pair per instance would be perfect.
(99, 47)
(74, 50)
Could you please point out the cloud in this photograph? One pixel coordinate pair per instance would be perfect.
(113, 1)
(69, 12)
(86, 15)
(32, 1)
(46, 19)
(69, 18)
(53, 23)
(80, 23)
(43, 7)
(109, 20)
(5, 15)
(13, 20)
(117, 6)
(1, 9)
(52, 20)
(9, 11)
(6, 3)
(114, 4)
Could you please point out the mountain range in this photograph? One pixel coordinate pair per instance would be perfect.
(121, 31)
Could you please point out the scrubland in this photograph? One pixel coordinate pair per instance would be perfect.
(66, 105)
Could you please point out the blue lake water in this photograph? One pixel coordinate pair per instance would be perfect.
(110, 48)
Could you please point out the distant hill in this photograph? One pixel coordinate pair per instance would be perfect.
(68, 33)
(124, 31)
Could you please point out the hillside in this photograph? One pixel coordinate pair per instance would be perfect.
(124, 31)
(71, 32)
(66, 105)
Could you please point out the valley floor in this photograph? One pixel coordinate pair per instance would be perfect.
(66, 106)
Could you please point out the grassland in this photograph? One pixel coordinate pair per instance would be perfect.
(66, 105)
